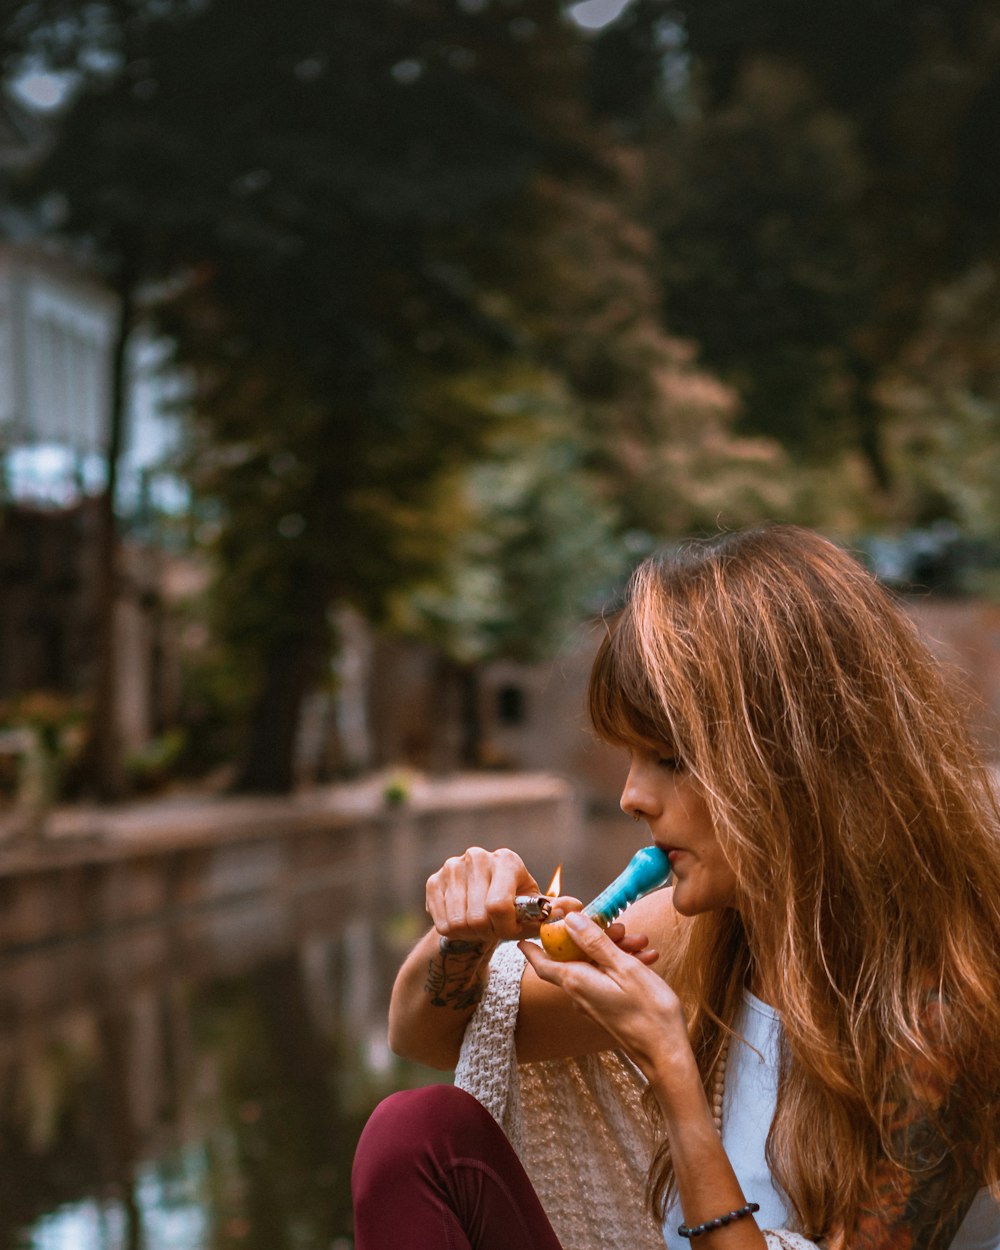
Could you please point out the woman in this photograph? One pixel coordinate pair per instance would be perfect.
(816, 1019)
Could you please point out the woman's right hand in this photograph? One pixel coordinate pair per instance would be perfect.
(471, 903)
(471, 896)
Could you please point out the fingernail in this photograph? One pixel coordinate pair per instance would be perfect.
(575, 920)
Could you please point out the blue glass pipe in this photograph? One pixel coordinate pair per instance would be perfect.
(647, 870)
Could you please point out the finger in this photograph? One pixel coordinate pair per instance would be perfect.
(479, 882)
(455, 906)
(434, 895)
(631, 942)
(594, 942)
(510, 877)
(548, 969)
(567, 903)
(431, 897)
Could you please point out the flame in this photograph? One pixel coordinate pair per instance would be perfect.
(555, 885)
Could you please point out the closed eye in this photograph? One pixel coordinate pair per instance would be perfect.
(672, 763)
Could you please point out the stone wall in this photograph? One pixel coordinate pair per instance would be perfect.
(154, 863)
(965, 636)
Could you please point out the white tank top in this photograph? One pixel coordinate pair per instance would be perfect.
(747, 1110)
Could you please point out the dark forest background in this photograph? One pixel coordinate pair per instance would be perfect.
(476, 303)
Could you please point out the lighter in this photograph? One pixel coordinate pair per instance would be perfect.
(532, 907)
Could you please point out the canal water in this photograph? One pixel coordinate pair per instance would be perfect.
(215, 1106)
(202, 1085)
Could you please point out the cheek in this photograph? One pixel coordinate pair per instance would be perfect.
(698, 817)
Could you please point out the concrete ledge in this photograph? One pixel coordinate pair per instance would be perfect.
(102, 872)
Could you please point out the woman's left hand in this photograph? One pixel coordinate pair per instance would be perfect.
(616, 990)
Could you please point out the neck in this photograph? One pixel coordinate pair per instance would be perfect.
(760, 985)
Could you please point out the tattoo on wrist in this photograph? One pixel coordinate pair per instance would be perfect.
(454, 976)
(459, 946)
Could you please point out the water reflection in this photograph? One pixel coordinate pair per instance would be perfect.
(193, 1109)
(200, 1083)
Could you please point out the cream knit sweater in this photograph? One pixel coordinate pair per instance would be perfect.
(577, 1125)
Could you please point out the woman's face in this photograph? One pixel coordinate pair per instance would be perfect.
(660, 791)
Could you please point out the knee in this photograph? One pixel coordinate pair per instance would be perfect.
(408, 1129)
(416, 1116)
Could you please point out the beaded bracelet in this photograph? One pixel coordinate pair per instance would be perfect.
(720, 1221)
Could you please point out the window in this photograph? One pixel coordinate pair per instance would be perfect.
(510, 705)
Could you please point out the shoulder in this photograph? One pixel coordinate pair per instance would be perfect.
(655, 916)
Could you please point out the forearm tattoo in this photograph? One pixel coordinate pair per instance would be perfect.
(455, 976)
(924, 1192)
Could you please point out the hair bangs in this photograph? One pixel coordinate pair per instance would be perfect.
(623, 705)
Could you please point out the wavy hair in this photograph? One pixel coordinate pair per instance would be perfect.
(862, 827)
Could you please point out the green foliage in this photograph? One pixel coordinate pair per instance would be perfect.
(767, 265)
(824, 176)
(533, 543)
(303, 183)
(152, 767)
(944, 397)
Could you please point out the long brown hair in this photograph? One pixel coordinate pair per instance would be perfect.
(862, 827)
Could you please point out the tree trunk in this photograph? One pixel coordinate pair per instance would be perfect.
(869, 425)
(103, 761)
(269, 764)
(470, 718)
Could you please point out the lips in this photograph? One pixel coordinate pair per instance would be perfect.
(670, 851)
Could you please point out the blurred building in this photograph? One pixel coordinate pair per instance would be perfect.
(58, 325)
(57, 330)
(399, 703)
(534, 716)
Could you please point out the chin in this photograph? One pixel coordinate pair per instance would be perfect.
(687, 907)
(696, 906)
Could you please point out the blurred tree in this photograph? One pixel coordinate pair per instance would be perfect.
(303, 183)
(349, 218)
(764, 260)
(655, 427)
(303, 178)
(944, 399)
(612, 439)
(824, 174)
(533, 547)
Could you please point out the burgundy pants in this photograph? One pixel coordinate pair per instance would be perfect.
(434, 1171)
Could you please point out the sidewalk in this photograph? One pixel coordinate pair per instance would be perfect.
(183, 818)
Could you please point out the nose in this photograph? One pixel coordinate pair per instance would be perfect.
(638, 799)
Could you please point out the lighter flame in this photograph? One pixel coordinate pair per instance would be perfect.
(555, 885)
